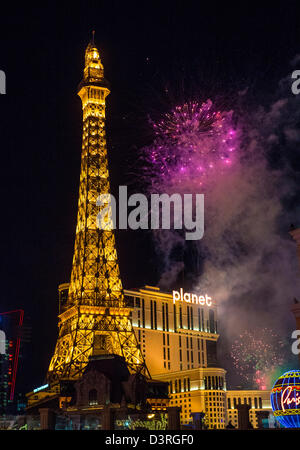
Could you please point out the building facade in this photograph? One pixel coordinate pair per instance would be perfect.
(258, 400)
(178, 339)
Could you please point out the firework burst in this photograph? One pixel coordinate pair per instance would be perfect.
(256, 355)
(193, 143)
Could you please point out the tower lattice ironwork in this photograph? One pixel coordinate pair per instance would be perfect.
(95, 318)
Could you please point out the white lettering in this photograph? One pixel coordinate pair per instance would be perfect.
(191, 298)
(295, 84)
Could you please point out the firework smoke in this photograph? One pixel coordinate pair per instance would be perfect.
(193, 144)
(249, 260)
(256, 355)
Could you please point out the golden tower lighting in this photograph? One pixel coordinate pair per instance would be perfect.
(95, 318)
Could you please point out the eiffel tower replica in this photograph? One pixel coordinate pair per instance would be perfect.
(95, 318)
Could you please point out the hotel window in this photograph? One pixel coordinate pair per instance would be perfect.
(143, 312)
(229, 403)
(260, 403)
(180, 316)
(179, 385)
(137, 302)
(151, 314)
(189, 384)
(174, 314)
(189, 310)
(155, 315)
(208, 383)
(202, 319)
(167, 316)
(184, 384)
(255, 403)
(180, 355)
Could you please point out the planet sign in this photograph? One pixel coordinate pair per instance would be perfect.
(285, 399)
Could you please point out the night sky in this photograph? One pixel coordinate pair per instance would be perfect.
(155, 55)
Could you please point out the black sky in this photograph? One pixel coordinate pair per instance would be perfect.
(155, 55)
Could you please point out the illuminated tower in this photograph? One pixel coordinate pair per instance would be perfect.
(94, 318)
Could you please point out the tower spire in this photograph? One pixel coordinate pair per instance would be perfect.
(95, 318)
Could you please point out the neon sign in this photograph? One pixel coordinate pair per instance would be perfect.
(285, 399)
(41, 388)
(191, 298)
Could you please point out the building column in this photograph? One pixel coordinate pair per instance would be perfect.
(243, 417)
(47, 419)
(260, 416)
(173, 417)
(108, 418)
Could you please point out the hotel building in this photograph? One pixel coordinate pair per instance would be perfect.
(179, 343)
(258, 400)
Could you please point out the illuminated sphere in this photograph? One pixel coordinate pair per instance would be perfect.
(285, 399)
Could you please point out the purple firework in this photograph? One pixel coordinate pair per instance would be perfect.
(193, 143)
